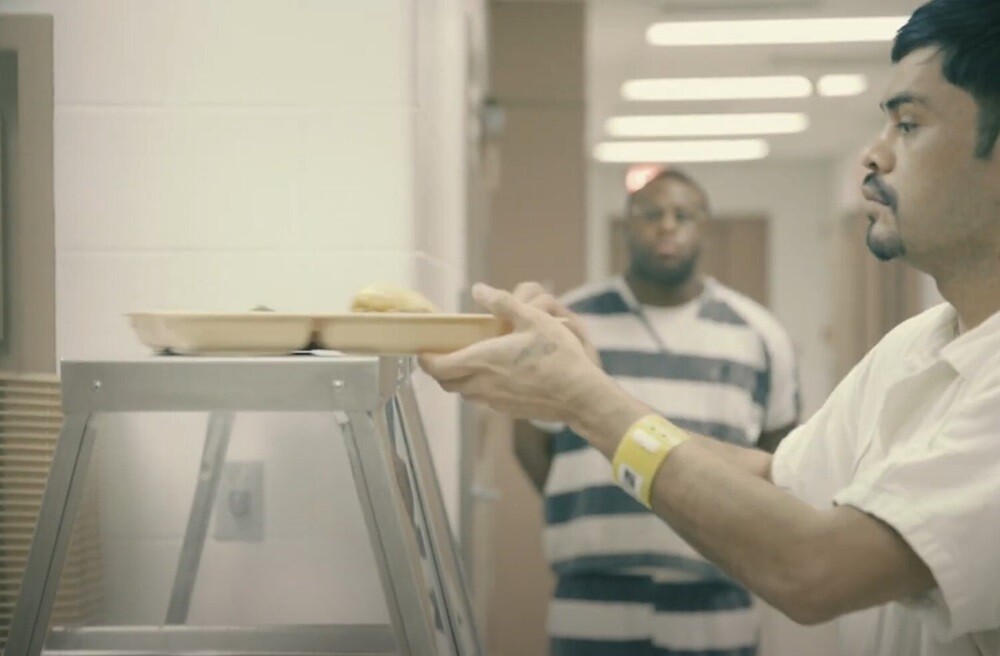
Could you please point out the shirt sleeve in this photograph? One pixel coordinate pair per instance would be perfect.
(943, 498)
(783, 399)
(817, 459)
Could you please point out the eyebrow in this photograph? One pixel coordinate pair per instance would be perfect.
(900, 99)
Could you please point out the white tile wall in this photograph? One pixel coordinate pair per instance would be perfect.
(138, 577)
(170, 179)
(147, 467)
(233, 179)
(287, 581)
(442, 240)
(329, 53)
(315, 545)
(357, 179)
(217, 155)
(315, 564)
(439, 78)
(96, 289)
(441, 98)
(278, 582)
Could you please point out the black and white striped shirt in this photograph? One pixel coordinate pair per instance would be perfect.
(720, 366)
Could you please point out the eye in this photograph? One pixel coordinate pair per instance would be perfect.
(906, 127)
(650, 214)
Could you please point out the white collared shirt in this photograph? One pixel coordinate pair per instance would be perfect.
(912, 437)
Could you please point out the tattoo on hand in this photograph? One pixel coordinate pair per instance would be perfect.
(539, 348)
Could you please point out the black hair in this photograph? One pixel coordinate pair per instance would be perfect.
(967, 35)
(676, 175)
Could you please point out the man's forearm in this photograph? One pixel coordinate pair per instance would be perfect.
(811, 564)
(606, 412)
(719, 498)
(716, 497)
(758, 534)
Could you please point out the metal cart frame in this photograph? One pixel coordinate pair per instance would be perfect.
(374, 404)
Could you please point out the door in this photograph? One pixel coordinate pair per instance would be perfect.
(735, 251)
(28, 270)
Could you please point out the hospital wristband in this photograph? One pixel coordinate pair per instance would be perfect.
(642, 452)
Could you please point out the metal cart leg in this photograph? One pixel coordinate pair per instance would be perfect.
(30, 621)
(220, 426)
(453, 579)
(368, 445)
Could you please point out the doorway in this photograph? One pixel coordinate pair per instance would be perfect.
(27, 209)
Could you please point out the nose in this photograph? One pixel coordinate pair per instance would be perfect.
(669, 221)
(878, 156)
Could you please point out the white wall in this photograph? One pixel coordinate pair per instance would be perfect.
(216, 155)
(439, 236)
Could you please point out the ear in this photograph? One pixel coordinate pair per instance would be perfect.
(992, 177)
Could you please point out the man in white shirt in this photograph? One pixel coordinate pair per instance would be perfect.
(882, 510)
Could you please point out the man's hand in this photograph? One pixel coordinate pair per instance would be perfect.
(541, 370)
(533, 294)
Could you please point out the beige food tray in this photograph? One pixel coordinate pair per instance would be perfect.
(246, 333)
(259, 333)
(405, 334)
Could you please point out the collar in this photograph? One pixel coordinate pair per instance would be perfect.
(968, 354)
(620, 285)
(975, 350)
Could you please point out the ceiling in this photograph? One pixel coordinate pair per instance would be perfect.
(617, 51)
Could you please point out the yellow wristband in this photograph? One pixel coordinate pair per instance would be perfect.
(642, 452)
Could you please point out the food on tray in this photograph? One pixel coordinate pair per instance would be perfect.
(386, 298)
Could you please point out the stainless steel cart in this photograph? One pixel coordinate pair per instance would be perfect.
(372, 400)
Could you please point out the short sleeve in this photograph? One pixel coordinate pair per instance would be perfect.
(817, 459)
(944, 500)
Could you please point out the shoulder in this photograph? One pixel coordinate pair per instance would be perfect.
(729, 306)
(884, 361)
(911, 333)
(920, 325)
(603, 297)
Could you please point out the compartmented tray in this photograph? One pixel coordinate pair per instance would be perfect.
(272, 333)
(405, 334)
(242, 333)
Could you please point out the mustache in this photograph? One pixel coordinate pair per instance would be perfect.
(886, 194)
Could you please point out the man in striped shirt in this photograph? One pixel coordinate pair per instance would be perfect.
(713, 362)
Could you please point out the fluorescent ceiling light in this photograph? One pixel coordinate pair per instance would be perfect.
(842, 85)
(718, 88)
(775, 32)
(725, 150)
(706, 125)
